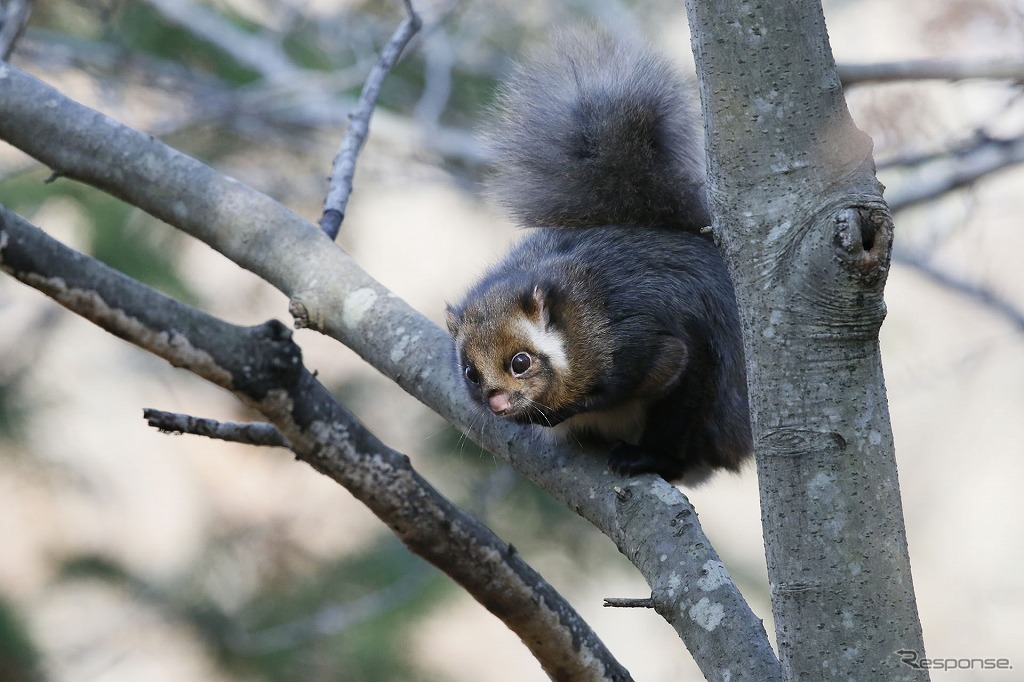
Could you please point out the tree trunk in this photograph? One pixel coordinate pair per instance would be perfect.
(807, 237)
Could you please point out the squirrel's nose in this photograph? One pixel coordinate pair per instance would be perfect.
(499, 402)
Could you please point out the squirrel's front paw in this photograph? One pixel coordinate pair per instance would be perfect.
(630, 460)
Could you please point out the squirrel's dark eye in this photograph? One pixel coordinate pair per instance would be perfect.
(472, 376)
(520, 363)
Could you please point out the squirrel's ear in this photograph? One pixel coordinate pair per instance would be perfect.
(541, 300)
(451, 318)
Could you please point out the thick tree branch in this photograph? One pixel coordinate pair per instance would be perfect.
(344, 168)
(807, 237)
(263, 367)
(651, 522)
(931, 69)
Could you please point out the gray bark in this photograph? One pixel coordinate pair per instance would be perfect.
(807, 238)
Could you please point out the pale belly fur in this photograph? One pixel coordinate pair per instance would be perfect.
(624, 423)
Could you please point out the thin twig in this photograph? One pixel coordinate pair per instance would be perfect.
(344, 168)
(629, 603)
(13, 18)
(247, 433)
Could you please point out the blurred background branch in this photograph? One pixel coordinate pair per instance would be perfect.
(929, 179)
(983, 294)
(932, 69)
(14, 16)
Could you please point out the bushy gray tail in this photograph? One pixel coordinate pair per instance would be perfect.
(598, 132)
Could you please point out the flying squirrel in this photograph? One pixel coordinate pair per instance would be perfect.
(615, 315)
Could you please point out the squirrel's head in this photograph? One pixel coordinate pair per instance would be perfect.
(512, 353)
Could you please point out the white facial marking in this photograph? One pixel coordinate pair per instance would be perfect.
(547, 343)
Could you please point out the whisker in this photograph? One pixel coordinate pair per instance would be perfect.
(540, 409)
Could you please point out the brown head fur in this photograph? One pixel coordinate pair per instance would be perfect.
(566, 345)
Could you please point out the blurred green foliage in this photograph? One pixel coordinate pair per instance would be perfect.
(12, 409)
(137, 27)
(120, 235)
(348, 618)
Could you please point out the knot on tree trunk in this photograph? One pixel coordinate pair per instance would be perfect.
(863, 237)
